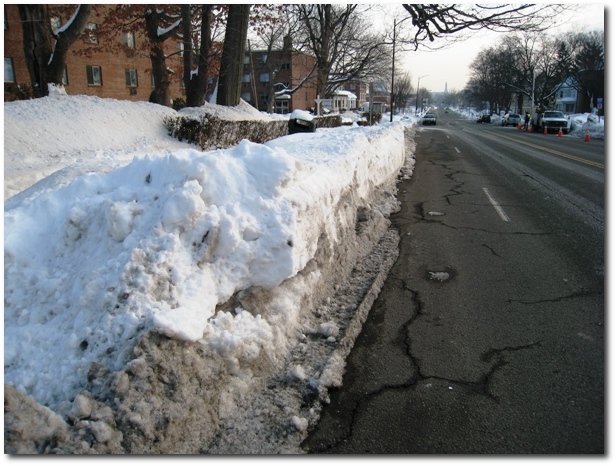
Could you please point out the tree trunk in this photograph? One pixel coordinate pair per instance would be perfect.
(64, 40)
(232, 62)
(160, 95)
(37, 45)
(44, 59)
(196, 84)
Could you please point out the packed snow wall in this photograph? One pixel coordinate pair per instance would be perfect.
(202, 271)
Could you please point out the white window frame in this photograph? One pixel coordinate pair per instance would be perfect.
(92, 71)
(131, 77)
(92, 37)
(128, 39)
(10, 67)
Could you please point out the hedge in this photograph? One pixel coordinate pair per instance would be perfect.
(210, 132)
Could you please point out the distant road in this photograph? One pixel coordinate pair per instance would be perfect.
(488, 336)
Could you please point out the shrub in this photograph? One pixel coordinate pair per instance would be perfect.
(328, 121)
(376, 117)
(18, 92)
(178, 104)
(210, 132)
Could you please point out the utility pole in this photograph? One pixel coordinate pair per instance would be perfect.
(393, 67)
(417, 96)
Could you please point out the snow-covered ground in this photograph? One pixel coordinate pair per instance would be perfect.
(160, 299)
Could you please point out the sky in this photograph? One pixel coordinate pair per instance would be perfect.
(451, 66)
(112, 228)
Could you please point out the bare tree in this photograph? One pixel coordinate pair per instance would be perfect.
(341, 41)
(430, 22)
(403, 90)
(45, 50)
(490, 73)
(271, 28)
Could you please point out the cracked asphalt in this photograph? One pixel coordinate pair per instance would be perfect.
(488, 336)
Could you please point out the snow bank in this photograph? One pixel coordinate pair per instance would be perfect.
(193, 270)
(78, 134)
(159, 243)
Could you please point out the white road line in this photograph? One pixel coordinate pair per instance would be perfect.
(457, 150)
(495, 204)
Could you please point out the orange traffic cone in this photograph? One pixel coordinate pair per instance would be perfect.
(545, 130)
(519, 125)
(560, 133)
(587, 137)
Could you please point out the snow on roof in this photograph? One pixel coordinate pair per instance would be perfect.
(343, 93)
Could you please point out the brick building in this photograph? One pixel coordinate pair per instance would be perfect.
(267, 75)
(108, 74)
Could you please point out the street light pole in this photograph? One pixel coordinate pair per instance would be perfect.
(417, 96)
(393, 67)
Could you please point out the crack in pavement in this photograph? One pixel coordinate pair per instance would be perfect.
(577, 294)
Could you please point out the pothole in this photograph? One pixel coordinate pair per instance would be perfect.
(439, 276)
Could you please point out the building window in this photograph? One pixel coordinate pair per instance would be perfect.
(285, 66)
(264, 96)
(246, 78)
(95, 75)
(264, 58)
(246, 59)
(282, 107)
(246, 96)
(90, 33)
(128, 39)
(131, 78)
(9, 71)
(264, 78)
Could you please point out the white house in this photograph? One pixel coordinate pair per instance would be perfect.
(566, 99)
(341, 101)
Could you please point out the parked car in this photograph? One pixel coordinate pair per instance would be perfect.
(429, 119)
(512, 119)
(485, 118)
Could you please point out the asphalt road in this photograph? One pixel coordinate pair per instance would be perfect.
(488, 336)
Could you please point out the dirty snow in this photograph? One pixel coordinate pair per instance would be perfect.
(117, 235)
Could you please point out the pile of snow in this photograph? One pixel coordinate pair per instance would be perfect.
(587, 123)
(164, 242)
(78, 135)
(242, 112)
